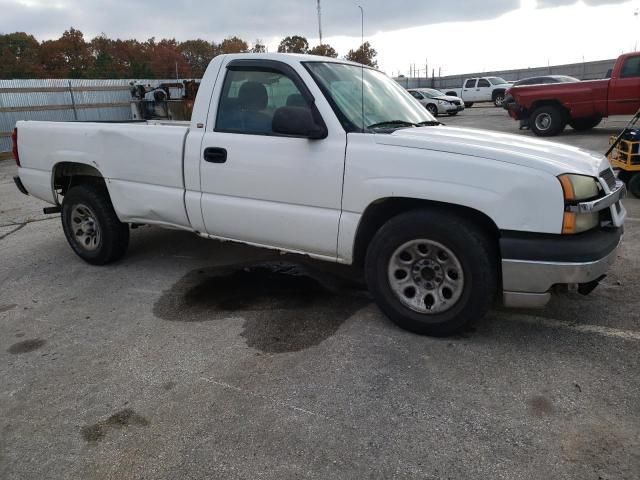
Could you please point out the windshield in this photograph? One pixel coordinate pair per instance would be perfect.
(497, 80)
(385, 102)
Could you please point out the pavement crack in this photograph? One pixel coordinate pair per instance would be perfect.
(20, 227)
(22, 224)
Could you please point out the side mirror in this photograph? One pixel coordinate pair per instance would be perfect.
(297, 122)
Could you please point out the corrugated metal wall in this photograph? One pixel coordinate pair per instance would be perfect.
(54, 100)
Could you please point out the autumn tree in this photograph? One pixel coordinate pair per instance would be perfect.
(19, 56)
(198, 54)
(294, 44)
(233, 45)
(324, 50)
(67, 57)
(166, 61)
(365, 55)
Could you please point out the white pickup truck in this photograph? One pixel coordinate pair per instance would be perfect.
(477, 90)
(281, 153)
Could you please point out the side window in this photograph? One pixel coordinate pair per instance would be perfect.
(417, 95)
(470, 83)
(483, 83)
(250, 98)
(631, 68)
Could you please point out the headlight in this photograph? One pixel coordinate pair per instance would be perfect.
(443, 102)
(578, 188)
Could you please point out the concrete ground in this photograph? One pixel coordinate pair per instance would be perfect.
(177, 363)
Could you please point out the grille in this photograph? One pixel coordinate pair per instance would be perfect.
(609, 178)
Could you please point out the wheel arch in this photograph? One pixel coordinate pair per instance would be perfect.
(548, 102)
(65, 175)
(382, 210)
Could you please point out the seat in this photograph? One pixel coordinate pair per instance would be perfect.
(245, 114)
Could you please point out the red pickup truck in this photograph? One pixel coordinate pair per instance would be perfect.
(548, 109)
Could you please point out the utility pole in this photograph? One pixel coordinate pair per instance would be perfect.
(320, 21)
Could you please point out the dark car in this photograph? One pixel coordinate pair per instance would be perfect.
(545, 80)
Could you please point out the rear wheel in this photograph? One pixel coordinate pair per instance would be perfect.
(634, 185)
(547, 121)
(433, 110)
(91, 226)
(431, 272)
(468, 104)
(584, 124)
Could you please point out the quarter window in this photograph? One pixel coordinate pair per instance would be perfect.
(250, 98)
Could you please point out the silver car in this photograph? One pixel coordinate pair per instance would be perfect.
(437, 102)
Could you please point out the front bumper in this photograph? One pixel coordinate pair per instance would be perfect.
(533, 264)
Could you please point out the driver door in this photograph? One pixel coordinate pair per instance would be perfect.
(260, 187)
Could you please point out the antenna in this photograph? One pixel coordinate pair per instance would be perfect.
(320, 21)
(362, 49)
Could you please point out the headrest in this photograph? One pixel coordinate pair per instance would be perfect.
(253, 96)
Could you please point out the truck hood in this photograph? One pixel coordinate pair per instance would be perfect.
(554, 158)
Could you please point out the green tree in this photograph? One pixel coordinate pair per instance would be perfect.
(258, 47)
(365, 55)
(294, 44)
(19, 56)
(198, 54)
(324, 50)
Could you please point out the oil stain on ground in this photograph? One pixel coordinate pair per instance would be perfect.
(124, 418)
(286, 307)
(541, 406)
(26, 346)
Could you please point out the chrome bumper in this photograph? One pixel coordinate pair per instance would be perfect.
(526, 284)
(613, 197)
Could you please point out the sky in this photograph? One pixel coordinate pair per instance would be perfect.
(457, 36)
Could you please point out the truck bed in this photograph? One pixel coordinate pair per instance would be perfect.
(141, 162)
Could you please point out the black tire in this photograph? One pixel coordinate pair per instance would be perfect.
(471, 248)
(584, 124)
(452, 114)
(89, 204)
(498, 98)
(625, 176)
(433, 110)
(633, 184)
(468, 104)
(547, 121)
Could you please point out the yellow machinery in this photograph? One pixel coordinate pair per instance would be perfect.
(624, 154)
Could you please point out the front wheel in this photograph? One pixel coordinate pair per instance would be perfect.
(634, 185)
(433, 110)
(547, 121)
(498, 99)
(431, 272)
(91, 226)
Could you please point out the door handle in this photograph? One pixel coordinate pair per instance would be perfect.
(215, 155)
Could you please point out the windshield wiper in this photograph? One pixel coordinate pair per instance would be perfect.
(388, 123)
(430, 123)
